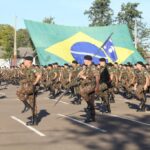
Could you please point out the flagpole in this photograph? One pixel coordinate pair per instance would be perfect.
(107, 39)
(15, 43)
(135, 34)
(104, 44)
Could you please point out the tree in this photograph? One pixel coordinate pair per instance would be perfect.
(143, 36)
(23, 39)
(128, 15)
(49, 20)
(100, 13)
(6, 40)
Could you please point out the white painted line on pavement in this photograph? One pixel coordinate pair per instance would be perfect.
(29, 127)
(61, 102)
(126, 118)
(78, 121)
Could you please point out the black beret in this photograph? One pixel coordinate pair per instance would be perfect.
(28, 58)
(50, 65)
(87, 57)
(102, 59)
(56, 63)
(140, 63)
(66, 65)
(74, 62)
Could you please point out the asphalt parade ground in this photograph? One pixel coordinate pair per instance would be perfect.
(62, 127)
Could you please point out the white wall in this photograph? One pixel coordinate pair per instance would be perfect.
(7, 63)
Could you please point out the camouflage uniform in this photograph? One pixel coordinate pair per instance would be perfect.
(55, 82)
(104, 86)
(25, 92)
(140, 93)
(87, 90)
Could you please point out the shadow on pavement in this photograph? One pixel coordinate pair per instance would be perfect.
(121, 134)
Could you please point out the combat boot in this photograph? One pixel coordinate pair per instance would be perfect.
(72, 93)
(33, 121)
(77, 100)
(90, 115)
(111, 98)
(141, 107)
(53, 96)
(26, 107)
(108, 110)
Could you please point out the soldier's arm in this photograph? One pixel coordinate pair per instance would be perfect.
(146, 83)
(38, 77)
(70, 76)
(81, 74)
(111, 76)
(133, 79)
(120, 76)
(97, 77)
(55, 75)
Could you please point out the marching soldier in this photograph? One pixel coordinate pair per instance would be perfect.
(89, 86)
(141, 85)
(26, 93)
(104, 84)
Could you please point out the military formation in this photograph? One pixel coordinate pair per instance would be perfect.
(88, 82)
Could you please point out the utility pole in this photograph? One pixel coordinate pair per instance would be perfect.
(15, 44)
(135, 34)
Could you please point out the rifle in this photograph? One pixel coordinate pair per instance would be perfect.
(67, 90)
(34, 104)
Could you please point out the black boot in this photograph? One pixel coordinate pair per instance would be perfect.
(33, 121)
(108, 110)
(72, 93)
(90, 115)
(53, 96)
(26, 107)
(93, 115)
(111, 98)
(77, 100)
(141, 107)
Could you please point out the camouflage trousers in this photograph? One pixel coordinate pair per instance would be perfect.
(88, 94)
(75, 85)
(86, 91)
(103, 92)
(140, 93)
(25, 93)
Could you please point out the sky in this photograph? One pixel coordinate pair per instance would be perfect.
(65, 12)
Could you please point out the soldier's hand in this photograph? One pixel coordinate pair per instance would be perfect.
(97, 90)
(145, 87)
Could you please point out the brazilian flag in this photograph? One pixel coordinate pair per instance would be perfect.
(62, 44)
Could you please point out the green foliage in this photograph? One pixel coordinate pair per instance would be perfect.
(6, 40)
(23, 38)
(100, 13)
(128, 14)
(49, 20)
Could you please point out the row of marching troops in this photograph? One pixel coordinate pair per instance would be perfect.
(87, 82)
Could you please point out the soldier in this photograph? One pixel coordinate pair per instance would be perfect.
(104, 84)
(141, 85)
(73, 79)
(89, 85)
(55, 78)
(26, 93)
